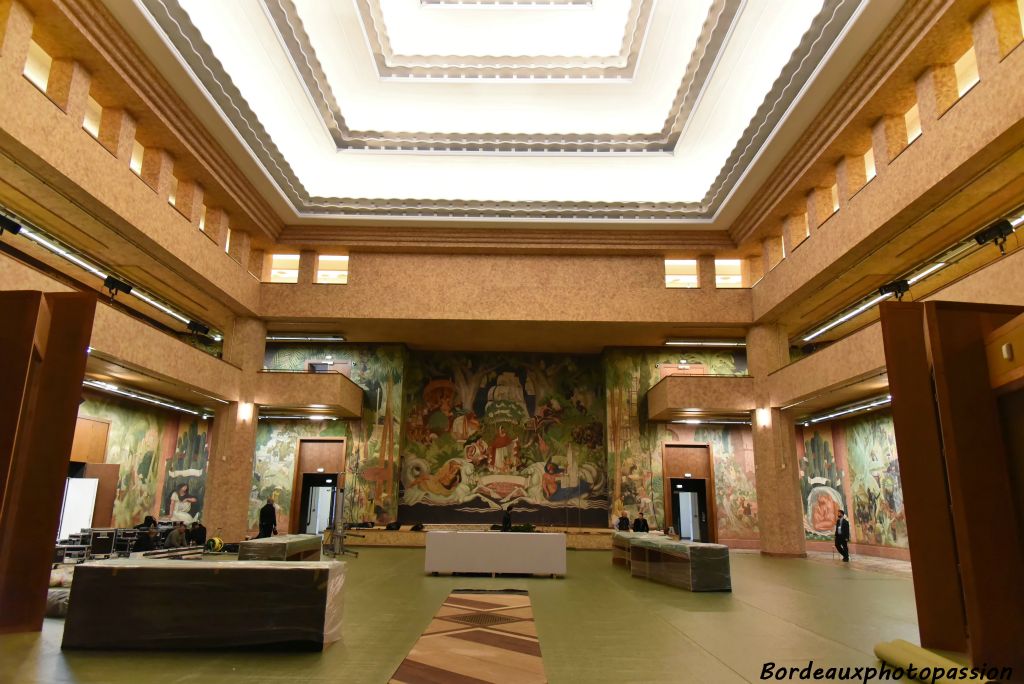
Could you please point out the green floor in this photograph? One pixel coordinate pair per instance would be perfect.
(596, 625)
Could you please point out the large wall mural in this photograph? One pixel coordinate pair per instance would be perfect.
(273, 477)
(635, 444)
(372, 448)
(162, 457)
(852, 464)
(483, 432)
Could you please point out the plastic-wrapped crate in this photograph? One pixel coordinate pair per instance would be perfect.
(620, 547)
(285, 547)
(691, 565)
(176, 604)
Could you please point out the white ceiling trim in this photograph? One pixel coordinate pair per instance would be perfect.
(390, 64)
(816, 43)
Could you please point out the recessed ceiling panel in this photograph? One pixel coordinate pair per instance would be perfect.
(301, 82)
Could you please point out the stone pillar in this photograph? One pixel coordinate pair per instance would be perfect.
(936, 92)
(216, 226)
(780, 514)
(851, 176)
(796, 229)
(256, 259)
(996, 31)
(117, 133)
(15, 36)
(706, 272)
(189, 201)
(751, 270)
(771, 252)
(888, 139)
(307, 267)
(229, 476)
(158, 171)
(68, 87)
(820, 207)
(241, 244)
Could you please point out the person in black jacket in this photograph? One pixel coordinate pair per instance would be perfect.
(197, 534)
(623, 523)
(146, 540)
(506, 519)
(640, 524)
(268, 520)
(843, 536)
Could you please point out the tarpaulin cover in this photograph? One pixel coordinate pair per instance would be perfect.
(177, 604)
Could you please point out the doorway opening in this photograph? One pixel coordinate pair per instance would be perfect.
(690, 508)
(316, 507)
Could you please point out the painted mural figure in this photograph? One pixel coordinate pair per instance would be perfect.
(180, 503)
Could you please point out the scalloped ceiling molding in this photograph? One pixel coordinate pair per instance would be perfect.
(814, 45)
(392, 65)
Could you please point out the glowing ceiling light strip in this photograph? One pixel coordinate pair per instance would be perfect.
(845, 317)
(307, 417)
(705, 343)
(114, 389)
(852, 409)
(50, 245)
(926, 272)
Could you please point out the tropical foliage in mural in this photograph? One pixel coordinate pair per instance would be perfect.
(373, 446)
(277, 445)
(157, 451)
(821, 482)
(635, 444)
(878, 515)
(184, 489)
(487, 431)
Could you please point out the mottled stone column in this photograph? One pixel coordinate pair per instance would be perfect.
(241, 244)
(117, 134)
(936, 92)
(706, 272)
(158, 171)
(68, 87)
(307, 267)
(15, 36)
(229, 476)
(888, 139)
(851, 175)
(779, 506)
(996, 31)
(772, 252)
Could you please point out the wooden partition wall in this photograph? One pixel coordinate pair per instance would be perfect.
(44, 338)
(960, 482)
(323, 452)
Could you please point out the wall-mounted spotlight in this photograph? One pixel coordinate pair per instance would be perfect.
(898, 288)
(9, 224)
(198, 328)
(115, 285)
(995, 233)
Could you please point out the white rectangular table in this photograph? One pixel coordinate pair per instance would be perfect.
(533, 553)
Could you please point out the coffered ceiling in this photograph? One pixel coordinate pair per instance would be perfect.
(642, 111)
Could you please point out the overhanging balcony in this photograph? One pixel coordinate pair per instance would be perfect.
(678, 396)
(327, 392)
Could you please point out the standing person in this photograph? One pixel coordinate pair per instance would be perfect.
(640, 523)
(268, 520)
(506, 519)
(843, 536)
(623, 523)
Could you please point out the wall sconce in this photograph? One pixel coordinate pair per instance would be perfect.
(764, 417)
(244, 411)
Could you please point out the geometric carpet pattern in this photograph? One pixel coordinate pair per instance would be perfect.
(477, 638)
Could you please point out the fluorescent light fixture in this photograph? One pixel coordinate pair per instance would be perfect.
(711, 421)
(846, 316)
(305, 417)
(51, 245)
(926, 272)
(706, 343)
(305, 338)
(150, 399)
(882, 401)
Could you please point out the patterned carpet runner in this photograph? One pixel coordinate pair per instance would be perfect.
(477, 638)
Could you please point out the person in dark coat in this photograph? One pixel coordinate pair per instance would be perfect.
(623, 523)
(197, 534)
(148, 522)
(506, 520)
(640, 524)
(146, 540)
(843, 536)
(268, 520)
